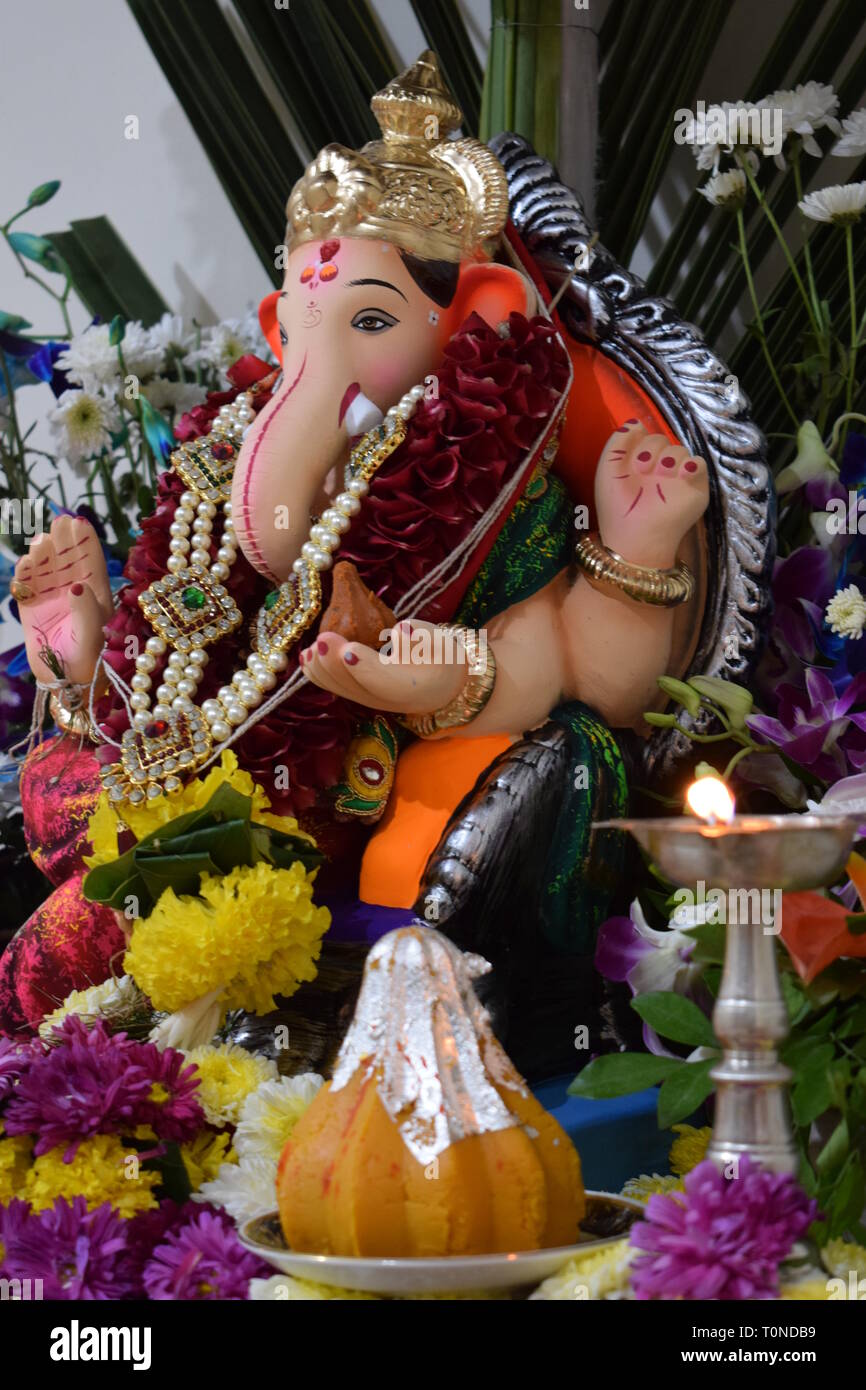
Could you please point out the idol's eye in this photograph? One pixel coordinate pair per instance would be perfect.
(373, 321)
(284, 337)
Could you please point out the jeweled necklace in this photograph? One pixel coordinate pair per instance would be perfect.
(190, 609)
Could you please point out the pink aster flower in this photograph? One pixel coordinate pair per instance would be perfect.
(78, 1254)
(723, 1238)
(15, 1058)
(202, 1260)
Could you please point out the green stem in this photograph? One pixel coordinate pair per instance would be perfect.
(759, 320)
(786, 250)
(842, 419)
(852, 295)
(807, 254)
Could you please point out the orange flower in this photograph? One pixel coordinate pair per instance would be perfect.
(815, 930)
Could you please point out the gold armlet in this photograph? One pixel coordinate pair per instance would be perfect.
(643, 583)
(470, 700)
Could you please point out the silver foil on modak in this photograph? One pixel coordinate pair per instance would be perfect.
(420, 1031)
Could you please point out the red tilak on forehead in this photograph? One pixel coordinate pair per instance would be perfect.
(329, 249)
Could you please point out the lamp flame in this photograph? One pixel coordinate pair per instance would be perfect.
(710, 800)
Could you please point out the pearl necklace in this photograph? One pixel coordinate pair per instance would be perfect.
(190, 607)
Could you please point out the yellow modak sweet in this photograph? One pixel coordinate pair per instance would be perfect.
(427, 1142)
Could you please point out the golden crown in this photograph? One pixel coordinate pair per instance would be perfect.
(430, 195)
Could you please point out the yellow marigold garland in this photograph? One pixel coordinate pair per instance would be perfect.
(254, 932)
(105, 823)
(689, 1149)
(227, 1075)
(102, 1170)
(203, 1156)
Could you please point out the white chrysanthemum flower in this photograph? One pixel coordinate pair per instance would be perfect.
(223, 344)
(841, 204)
(176, 396)
(82, 422)
(853, 141)
(726, 126)
(846, 612)
(726, 190)
(99, 999)
(809, 107)
(269, 1115)
(598, 1274)
(92, 362)
(170, 337)
(244, 1189)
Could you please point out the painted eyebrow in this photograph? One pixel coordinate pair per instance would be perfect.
(386, 285)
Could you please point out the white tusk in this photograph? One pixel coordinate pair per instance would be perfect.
(362, 415)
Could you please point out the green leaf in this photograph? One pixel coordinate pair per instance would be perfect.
(835, 1150)
(848, 1197)
(680, 1095)
(856, 923)
(622, 1073)
(812, 1092)
(36, 248)
(660, 721)
(13, 323)
(675, 1017)
(854, 1022)
(43, 193)
(710, 939)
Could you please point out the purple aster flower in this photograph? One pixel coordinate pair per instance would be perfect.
(15, 1059)
(723, 1238)
(78, 1254)
(83, 1085)
(93, 1082)
(172, 1107)
(823, 732)
(202, 1260)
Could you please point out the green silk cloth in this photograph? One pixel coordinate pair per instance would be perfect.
(534, 545)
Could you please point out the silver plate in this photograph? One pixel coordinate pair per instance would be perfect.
(607, 1218)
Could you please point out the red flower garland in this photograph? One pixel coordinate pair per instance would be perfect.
(494, 395)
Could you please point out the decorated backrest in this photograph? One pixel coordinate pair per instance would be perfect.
(634, 356)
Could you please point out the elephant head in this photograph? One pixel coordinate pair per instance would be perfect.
(358, 323)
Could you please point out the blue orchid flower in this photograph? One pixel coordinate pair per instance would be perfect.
(42, 364)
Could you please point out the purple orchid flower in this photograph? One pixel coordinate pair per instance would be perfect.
(630, 951)
(823, 731)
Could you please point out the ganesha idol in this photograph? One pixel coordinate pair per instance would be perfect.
(366, 581)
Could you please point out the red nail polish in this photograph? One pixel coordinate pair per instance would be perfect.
(77, 590)
(667, 461)
(632, 422)
(322, 646)
(350, 658)
(690, 466)
(644, 455)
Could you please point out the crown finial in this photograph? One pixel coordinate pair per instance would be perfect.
(417, 105)
(431, 195)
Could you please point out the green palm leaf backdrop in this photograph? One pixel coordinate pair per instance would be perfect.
(270, 84)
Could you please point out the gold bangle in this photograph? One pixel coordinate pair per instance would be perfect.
(663, 588)
(473, 695)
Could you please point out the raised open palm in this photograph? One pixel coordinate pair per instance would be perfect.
(64, 599)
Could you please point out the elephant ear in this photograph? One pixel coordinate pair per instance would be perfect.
(492, 291)
(269, 325)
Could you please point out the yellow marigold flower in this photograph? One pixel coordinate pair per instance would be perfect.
(203, 1155)
(144, 819)
(842, 1256)
(253, 933)
(227, 1075)
(101, 1171)
(16, 1155)
(690, 1149)
(648, 1185)
(600, 1273)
